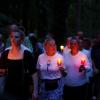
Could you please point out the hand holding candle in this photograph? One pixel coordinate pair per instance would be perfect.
(59, 62)
(83, 61)
(82, 68)
(62, 70)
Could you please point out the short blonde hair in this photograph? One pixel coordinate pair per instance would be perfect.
(47, 40)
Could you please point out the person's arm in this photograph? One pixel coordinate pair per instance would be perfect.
(86, 63)
(29, 61)
(62, 68)
(35, 84)
(95, 70)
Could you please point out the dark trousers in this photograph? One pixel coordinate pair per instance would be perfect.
(75, 93)
(97, 86)
(90, 88)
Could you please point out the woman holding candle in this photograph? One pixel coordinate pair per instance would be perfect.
(17, 61)
(77, 66)
(49, 65)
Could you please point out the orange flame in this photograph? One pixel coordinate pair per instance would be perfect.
(59, 62)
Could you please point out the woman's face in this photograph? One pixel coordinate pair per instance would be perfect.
(74, 46)
(15, 38)
(50, 48)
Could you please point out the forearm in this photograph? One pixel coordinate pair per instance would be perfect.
(35, 82)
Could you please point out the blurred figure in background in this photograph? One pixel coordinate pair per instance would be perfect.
(87, 51)
(36, 45)
(2, 78)
(36, 50)
(2, 45)
(80, 35)
(67, 46)
(95, 53)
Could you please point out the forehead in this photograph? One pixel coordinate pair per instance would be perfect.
(49, 42)
(13, 26)
(74, 41)
(69, 38)
(80, 33)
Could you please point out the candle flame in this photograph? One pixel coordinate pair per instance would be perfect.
(62, 47)
(59, 62)
(82, 61)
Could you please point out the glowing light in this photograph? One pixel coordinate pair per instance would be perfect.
(82, 61)
(59, 62)
(62, 47)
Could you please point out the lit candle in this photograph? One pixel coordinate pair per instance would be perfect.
(82, 61)
(59, 62)
(62, 48)
(82, 67)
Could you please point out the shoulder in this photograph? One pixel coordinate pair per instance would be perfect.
(6, 50)
(41, 56)
(67, 54)
(24, 48)
(86, 52)
(81, 54)
(58, 55)
(5, 53)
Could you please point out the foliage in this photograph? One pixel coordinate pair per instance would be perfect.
(61, 18)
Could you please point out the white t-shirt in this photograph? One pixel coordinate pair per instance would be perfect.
(47, 65)
(66, 50)
(88, 54)
(72, 65)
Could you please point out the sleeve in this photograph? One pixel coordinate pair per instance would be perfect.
(87, 67)
(63, 63)
(37, 65)
(29, 62)
(87, 63)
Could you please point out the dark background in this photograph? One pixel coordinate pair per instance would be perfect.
(60, 17)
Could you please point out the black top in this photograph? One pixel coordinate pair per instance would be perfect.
(15, 82)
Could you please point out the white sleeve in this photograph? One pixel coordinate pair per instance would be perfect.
(87, 63)
(38, 65)
(63, 63)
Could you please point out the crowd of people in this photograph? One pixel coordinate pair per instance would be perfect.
(30, 70)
